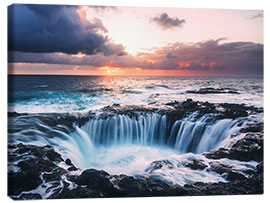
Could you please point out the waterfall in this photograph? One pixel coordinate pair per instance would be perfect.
(190, 134)
(118, 137)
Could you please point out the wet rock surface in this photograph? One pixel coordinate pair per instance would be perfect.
(196, 164)
(246, 149)
(174, 110)
(32, 163)
(221, 111)
(34, 168)
(210, 90)
(42, 168)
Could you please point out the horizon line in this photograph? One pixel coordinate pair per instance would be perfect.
(137, 75)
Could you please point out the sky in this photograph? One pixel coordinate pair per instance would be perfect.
(106, 40)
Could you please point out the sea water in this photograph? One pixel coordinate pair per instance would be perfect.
(121, 144)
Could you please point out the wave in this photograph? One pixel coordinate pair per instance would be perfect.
(95, 90)
(41, 86)
(158, 86)
(131, 92)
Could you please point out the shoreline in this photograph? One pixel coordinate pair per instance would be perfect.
(45, 166)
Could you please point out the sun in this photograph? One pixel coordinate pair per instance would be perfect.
(108, 69)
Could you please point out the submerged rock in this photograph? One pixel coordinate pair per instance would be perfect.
(210, 90)
(155, 165)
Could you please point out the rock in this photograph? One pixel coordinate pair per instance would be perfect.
(94, 183)
(96, 180)
(175, 110)
(132, 187)
(233, 114)
(196, 164)
(220, 168)
(68, 162)
(259, 168)
(210, 90)
(232, 176)
(37, 165)
(40, 152)
(246, 149)
(148, 187)
(253, 128)
(158, 165)
(30, 196)
(173, 103)
(79, 192)
(33, 161)
(238, 186)
(218, 154)
(23, 181)
(72, 168)
(15, 114)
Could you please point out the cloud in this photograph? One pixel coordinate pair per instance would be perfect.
(166, 22)
(210, 57)
(228, 58)
(259, 15)
(171, 56)
(57, 28)
(203, 67)
(101, 9)
(125, 61)
(233, 58)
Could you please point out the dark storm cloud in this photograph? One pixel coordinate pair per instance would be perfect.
(46, 11)
(56, 28)
(230, 58)
(233, 58)
(166, 22)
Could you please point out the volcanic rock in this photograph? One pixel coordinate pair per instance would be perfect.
(246, 149)
(32, 161)
(196, 164)
(210, 90)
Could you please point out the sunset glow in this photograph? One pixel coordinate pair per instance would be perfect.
(111, 101)
(136, 41)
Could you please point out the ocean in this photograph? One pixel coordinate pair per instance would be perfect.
(150, 127)
(48, 94)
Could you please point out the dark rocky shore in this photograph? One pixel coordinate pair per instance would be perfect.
(34, 168)
(39, 167)
(175, 110)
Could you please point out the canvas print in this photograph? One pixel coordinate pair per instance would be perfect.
(110, 101)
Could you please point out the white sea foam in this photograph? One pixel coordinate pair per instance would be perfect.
(131, 90)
